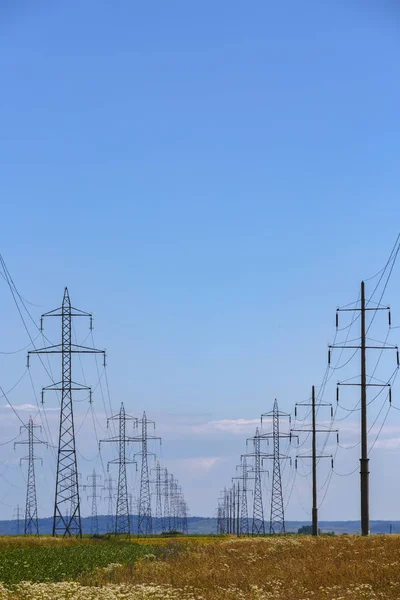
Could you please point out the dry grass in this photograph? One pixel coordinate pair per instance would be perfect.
(281, 568)
(274, 568)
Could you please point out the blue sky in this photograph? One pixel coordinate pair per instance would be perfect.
(211, 180)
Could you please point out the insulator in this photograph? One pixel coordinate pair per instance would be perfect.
(337, 437)
(295, 412)
(41, 323)
(390, 318)
(290, 459)
(91, 323)
(337, 394)
(42, 396)
(397, 353)
(290, 418)
(331, 412)
(295, 464)
(390, 395)
(104, 360)
(90, 396)
(332, 463)
(337, 319)
(329, 356)
(27, 361)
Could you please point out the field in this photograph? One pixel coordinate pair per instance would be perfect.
(286, 567)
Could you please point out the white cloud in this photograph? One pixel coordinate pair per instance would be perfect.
(198, 463)
(28, 407)
(235, 426)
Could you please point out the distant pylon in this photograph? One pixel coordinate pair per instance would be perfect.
(167, 514)
(159, 522)
(110, 499)
(122, 520)
(145, 525)
(67, 488)
(277, 518)
(31, 513)
(94, 521)
(17, 516)
(244, 513)
(258, 525)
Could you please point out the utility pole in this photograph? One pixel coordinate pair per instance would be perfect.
(17, 516)
(110, 498)
(31, 512)
(122, 520)
(314, 456)
(67, 488)
(145, 525)
(277, 518)
(363, 347)
(94, 525)
(159, 522)
(258, 525)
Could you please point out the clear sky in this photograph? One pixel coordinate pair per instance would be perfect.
(211, 180)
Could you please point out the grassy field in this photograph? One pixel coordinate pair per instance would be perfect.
(274, 568)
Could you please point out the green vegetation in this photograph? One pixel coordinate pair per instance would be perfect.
(44, 563)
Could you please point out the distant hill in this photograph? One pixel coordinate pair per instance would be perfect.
(204, 525)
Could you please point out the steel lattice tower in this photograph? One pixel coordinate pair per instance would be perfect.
(110, 498)
(31, 513)
(159, 523)
(258, 525)
(244, 513)
(17, 516)
(67, 488)
(145, 524)
(172, 501)
(167, 513)
(122, 520)
(277, 517)
(94, 521)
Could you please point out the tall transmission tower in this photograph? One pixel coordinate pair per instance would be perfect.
(159, 522)
(226, 510)
(258, 525)
(67, 488)
(167, 513)
(314, 456)
(145, 525)
(94, 521)
(277, 517)
(31, 513)
(362, 307)
(17, 517)
(122, 520)
(108, 487)
(243, 527)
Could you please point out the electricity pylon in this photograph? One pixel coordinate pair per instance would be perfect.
(243, 527)
(122, 520)
(314, 456)
(94, 521)
(362, 307)
(277, 517)
(145, 525)
(110, 499)
(159, 522)
(17, 517)
(31, 513)
(258, 525)
(167, 513)
(67, 488)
